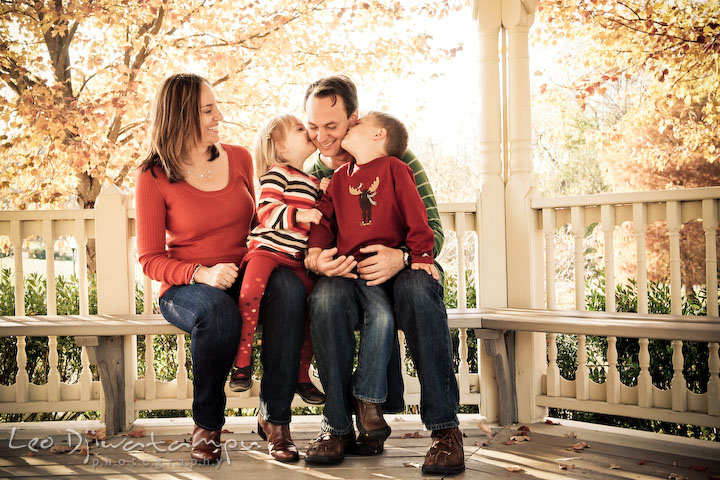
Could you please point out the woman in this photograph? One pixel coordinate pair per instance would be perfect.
(195, 207)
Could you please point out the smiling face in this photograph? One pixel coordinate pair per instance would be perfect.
(327, 125)
(210, 117)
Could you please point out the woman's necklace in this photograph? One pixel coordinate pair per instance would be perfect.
(207, 175)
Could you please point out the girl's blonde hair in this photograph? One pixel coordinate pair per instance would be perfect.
(274, 131)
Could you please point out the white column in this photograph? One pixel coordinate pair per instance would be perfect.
(492, 278)
(524, 238)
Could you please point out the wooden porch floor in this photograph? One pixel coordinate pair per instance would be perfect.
(611, 453)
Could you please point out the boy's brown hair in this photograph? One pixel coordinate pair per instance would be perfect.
(396, 141)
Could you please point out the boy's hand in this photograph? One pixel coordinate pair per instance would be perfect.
(311, 215)
(428, 267)
(324, 184)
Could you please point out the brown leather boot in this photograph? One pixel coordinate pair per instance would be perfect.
(280, 444)
(206, 446)
(329, 448)
(369, 419)
(367, 447)
(446, 455)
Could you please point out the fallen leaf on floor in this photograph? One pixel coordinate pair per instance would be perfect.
(225, 430)
(570, 435)
(83, 451)
(567, 467)
(578, 446)
(551, 422)
(168, 441)
(520, 438)
(698, 468)
(411, 435)
(30, 454)
(399, 419)
(96, 434)
(412, 464)
(515, 469)
(481, 444)
(508, 442)
(138, 433)
(60, 449)
(677, 476)
(615, 467)
(485, 429)
(642, 462)
(524, 428)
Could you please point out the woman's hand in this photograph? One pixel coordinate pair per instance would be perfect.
(221, 276)
(311, 215)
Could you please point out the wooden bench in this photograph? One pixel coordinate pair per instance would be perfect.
(103, 337)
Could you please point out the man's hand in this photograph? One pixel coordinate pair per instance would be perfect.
(429, 268)
(220, 276)
(323, 263)
(380, 267)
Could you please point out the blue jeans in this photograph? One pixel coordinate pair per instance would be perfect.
(282, 315)
(335, 308)
(420, 313)
(212, 318)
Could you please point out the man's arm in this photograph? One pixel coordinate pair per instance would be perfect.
(428, 198)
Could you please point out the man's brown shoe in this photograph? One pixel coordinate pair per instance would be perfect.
(369, 419)
(446, 454)
(206, 446)
(280, 444)
(366, 446)
(329, 448)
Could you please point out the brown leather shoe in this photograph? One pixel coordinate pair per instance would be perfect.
(446, 454)
(329, 448)
(280, 444)
(366, 446)
(369, 420)
(206, 446)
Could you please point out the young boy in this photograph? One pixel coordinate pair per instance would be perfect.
(373, 200)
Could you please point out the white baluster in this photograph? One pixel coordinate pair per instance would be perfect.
(81, 240)
(553, 374)
(149, 368)
(463, 365)
(582, 374)
(710, 224)
(549, 229)
(85, 376)
(713, 389)
(645, 397)
(17, 243)
(49, 241)
(54, 374)
(182, 373)
(147, 296)
(640, 228)
(674, 221)
(678, 385)
(461, 284)
(22, 381)
(608, 228)
(612, 380)
(577, 216)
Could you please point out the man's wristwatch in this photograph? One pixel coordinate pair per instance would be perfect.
(406, 258)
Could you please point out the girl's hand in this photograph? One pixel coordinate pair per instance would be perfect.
(312, 215)
(324, 184)
(221, 276)
(428, 267)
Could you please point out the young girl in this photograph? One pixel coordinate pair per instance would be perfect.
(285, 212)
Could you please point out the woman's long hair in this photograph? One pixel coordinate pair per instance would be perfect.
(175, 123)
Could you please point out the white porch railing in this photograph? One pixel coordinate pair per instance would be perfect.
(112, 225)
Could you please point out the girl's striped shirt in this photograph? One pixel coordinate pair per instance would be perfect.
(283, 190)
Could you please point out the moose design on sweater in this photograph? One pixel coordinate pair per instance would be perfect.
(366, 199)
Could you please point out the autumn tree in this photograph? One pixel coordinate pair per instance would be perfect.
(648, 70)
(78, 75)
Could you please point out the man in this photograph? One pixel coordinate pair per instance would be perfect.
(332, 107)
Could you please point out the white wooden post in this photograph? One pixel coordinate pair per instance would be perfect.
(710, 224)
(492, 279)
(116, 291)
(522, 225)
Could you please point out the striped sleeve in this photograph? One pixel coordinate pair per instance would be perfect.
(272, 211)
(428, 198)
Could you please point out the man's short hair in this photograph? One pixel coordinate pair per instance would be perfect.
(397, 135)
(334, 87)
